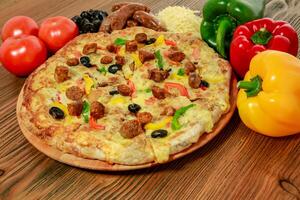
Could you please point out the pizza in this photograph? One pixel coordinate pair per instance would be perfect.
(131, 97)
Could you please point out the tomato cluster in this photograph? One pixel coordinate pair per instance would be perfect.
(26, 45)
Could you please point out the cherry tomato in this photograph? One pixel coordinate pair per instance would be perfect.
(23, 54)
(19, 25)
(57, 31)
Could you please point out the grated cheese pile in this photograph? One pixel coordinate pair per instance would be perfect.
(180, 20)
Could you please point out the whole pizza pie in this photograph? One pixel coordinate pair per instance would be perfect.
(130, 97)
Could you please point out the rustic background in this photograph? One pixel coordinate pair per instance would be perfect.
(238, 164)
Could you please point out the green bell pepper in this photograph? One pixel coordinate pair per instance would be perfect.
(221, 17)
(175, 121)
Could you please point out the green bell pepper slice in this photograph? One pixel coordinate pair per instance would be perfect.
(86, 111)
(221, 17)
(180, 112)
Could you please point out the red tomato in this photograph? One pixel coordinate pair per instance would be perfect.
(23, 54)
(19, 25)
(57, 31)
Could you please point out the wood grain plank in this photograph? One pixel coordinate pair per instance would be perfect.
(237, 164)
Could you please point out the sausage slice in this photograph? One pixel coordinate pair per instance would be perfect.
(131, 46)
(144, 117)
(106, 60)
(61, 74)
(158, 75)
(75, 109)
(89, 48)
(131, 128)
(189, 67)
(74, 93)
(97, 110)
(145, 56)
(112, 48)
(194, 80)
(158, 92)
(124, 90)
(141, 37)
(176, 56)
(120, 60)
(72, 61)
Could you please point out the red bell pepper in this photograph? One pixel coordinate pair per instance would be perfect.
(94, 125)
(170, 43)
(257, 36)
(183, 91)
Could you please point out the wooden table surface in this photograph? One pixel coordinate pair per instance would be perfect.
(238, 164)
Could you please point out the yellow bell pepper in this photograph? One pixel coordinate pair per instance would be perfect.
(89, 82)
(159, 125)
(269, 99)
(160, 40)
(136, 60)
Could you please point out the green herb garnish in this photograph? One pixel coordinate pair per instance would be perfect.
(180, 72)
(102, 70)
(120, 41)
(148, 90)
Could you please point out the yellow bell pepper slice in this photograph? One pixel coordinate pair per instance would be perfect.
(136, 60)
(122, 51)
(158, 125)
(117, 100)
(269, 99)
(89, 82)
(160, 40)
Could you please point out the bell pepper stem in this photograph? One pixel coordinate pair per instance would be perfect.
(223, 29)
(262, 36)
(252, 87)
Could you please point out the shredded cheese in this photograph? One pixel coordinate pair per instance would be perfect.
(186, 20)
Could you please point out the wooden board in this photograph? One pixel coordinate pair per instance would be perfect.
(236, 164)
(104, 166)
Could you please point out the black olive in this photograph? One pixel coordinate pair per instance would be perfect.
(85, 14)
(204, 84)
(150, 41)
(85, 61)
(98, 16)
(56, 113)
(113, 92)
(134, 108)
(83, 22)
(160, 133)
(87, 27)
(97, 23)
(77, 19)
(114, 68)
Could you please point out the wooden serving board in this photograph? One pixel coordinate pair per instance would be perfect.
(105, 166)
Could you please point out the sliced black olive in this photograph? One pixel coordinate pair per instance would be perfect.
(134, 108)
(150, 41)
(56, 113)
(114, 68)
(204, 84)
(160, 133)
(113, 92)
(85, 61)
